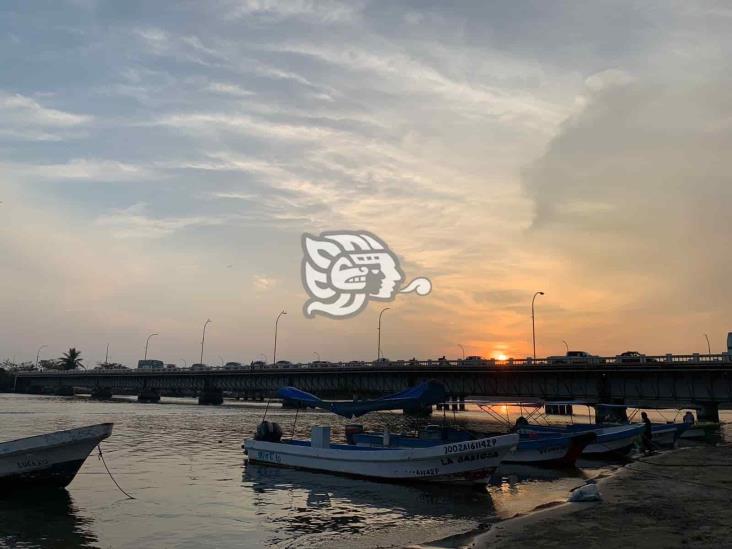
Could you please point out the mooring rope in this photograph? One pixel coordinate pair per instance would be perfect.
(101, 457)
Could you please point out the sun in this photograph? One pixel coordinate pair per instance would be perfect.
(501, 356)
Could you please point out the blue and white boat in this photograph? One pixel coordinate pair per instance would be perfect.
(614, 440)
(544, 449)
(458, 461)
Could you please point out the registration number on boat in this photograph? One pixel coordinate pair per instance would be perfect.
(269, 456)
(31, 461)
(471, 445)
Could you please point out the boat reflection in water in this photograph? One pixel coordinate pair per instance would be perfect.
(44, 519)
(312, 504)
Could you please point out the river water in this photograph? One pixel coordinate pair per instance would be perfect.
(184, 465)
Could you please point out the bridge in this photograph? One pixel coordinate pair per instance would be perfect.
(667, 381)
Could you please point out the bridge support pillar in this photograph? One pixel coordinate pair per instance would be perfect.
(708, 412)
(148, 395)
(211, 395)
(461, 403)
(454, 403)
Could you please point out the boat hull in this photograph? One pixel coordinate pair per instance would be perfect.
(470, 461)
(611, 441)
(552, 450)
(49, 461)
(701, 431)
(561, 451)
(666, 434)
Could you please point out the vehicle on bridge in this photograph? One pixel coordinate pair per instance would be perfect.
(474, 360)
(633, 357)
(283, 364)
(257, 364)
(233, 366)
(150, 364)
(111, 366)
(198, 367)
(575, 357)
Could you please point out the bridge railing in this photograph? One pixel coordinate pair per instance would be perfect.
(659, 361)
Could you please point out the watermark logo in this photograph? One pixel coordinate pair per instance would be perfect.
(343, 270)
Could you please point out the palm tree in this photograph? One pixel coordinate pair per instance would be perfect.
(71, 360)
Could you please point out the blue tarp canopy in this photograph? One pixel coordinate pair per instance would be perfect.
(414, 398)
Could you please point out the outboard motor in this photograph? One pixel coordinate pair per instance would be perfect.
(351, 430)
(268, 431)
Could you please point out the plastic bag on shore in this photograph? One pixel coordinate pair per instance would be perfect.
(588, 492)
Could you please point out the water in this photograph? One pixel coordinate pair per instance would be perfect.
(185, 467)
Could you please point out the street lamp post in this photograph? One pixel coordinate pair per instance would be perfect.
(565, 345)
(185, 362)
(378, 342)
(38, 354)
(277, 322)
(203, 338)
(106, 356)
(533, 326)
(317, 354)
(147, 343)
(462, 349)
(709, 347)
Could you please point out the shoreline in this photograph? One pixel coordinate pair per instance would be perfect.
(483, 535)
(672, 499)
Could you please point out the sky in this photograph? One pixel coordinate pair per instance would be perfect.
(160, 161)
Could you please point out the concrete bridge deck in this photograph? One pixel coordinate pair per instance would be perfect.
(702, 381)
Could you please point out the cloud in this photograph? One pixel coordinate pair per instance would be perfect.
(81, 169)
(25, 118)
(228, 89)
(133, 222)
(634, 195)
(323, 11)
(263, 282)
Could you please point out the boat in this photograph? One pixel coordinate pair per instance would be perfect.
(49, 460)
(612, 441)
(545, 449)
(701, 430)
(463, 462)
(667, 434)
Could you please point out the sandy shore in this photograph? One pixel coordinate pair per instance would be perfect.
(679, 498)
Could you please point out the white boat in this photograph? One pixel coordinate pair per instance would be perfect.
(49, 460)
(469, 461)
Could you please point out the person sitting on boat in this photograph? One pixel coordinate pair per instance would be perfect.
(520, 422)
(647, 439)
(689, 418)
